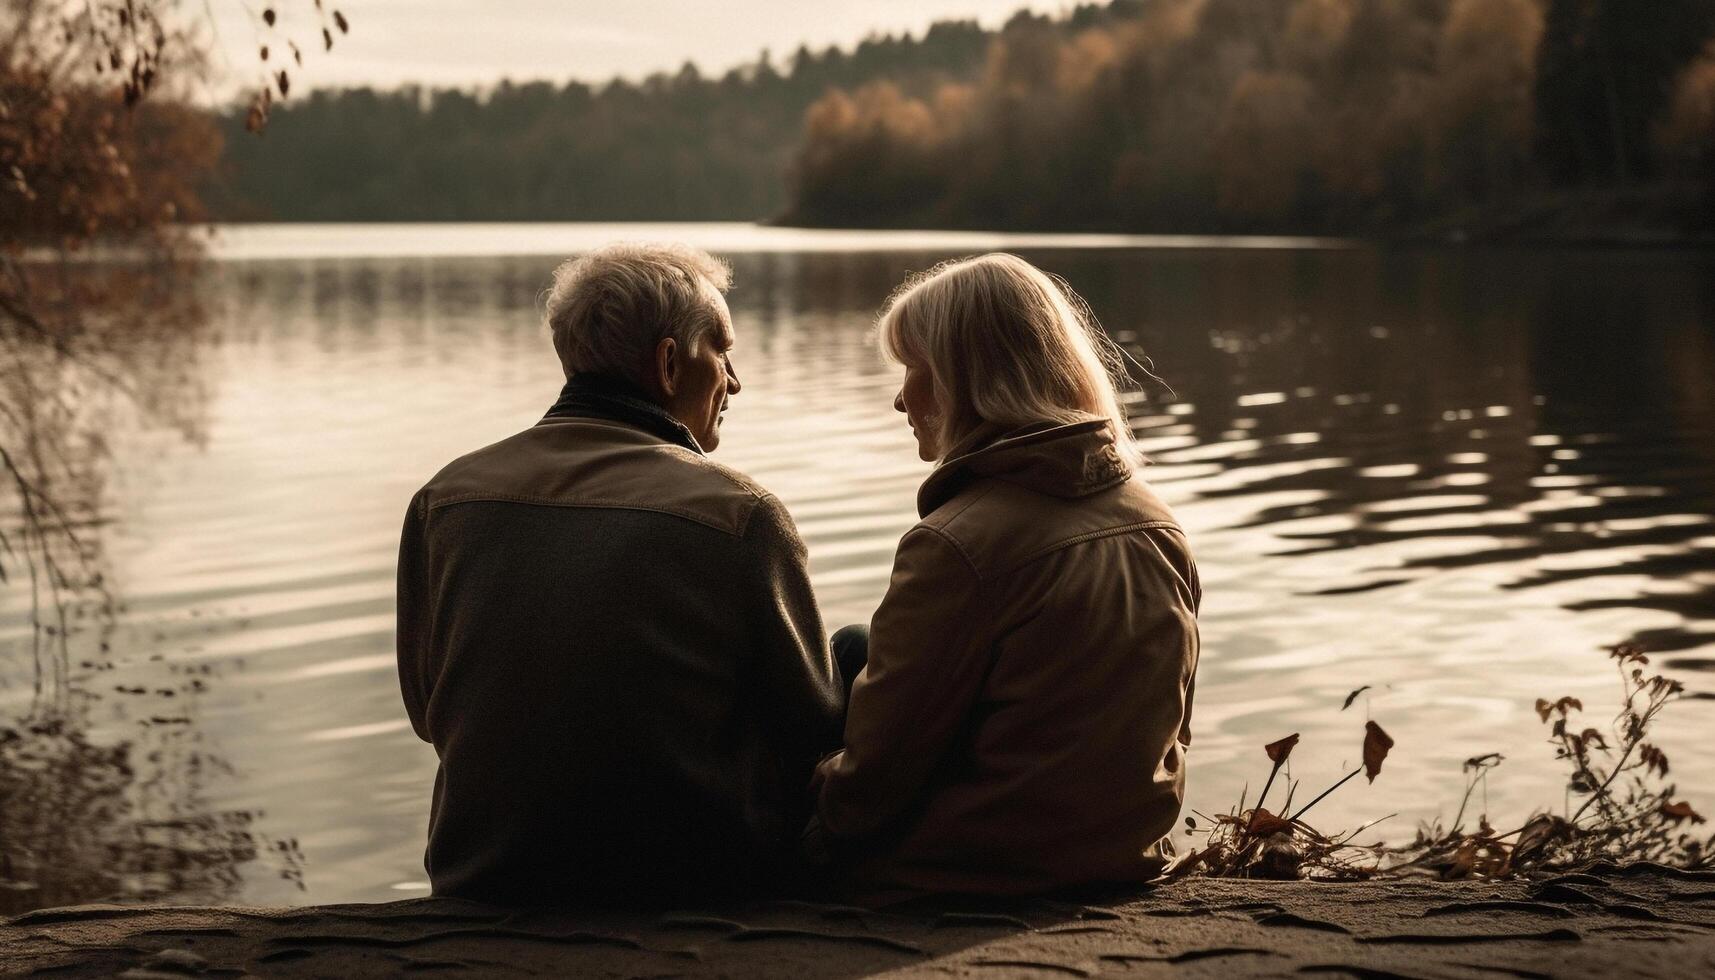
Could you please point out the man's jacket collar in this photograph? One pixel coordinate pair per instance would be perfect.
(600, 396)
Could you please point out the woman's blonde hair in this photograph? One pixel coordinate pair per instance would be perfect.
(1005, 344)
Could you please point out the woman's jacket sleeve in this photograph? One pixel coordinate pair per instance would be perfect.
(929, 652)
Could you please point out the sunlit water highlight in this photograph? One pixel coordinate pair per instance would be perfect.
(1452, 476)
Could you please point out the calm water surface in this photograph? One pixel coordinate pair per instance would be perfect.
(1451, 476)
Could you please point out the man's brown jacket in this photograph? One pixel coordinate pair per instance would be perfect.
(612, 644)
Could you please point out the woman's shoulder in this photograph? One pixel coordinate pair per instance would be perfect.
(998, 526)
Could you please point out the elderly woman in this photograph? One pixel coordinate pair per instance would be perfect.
(1022, 720)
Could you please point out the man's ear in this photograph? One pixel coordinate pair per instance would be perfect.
(665, 367)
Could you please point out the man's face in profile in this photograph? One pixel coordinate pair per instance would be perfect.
(706, 379)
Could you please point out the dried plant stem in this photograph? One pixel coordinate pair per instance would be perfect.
(1639, 822)
(1265, 786)
(1344, 840)
(1602, 790)
(1482, 776)
(1459, 819)
(1324, 794)
(1583, 768)
(1620, 766)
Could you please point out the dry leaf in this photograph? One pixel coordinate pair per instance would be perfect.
(1353, 697)
(1537, 834)
(1263, 823)
(268, 16)
(1652, 758)
(1680, 811)
(1376, 746)
(1463, 862)
(1278, 751)
(257, 118)
(1628, 654)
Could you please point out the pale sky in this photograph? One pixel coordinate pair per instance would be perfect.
(479, 42)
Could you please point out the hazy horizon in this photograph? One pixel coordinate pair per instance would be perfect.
(437, 43)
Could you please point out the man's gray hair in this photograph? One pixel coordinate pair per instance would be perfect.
(610, 308)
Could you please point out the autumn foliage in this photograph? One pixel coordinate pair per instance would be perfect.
(85, 154)
(1624, 812)
(86, 163)
(1305, 115)
(100, 324)
(80, 166)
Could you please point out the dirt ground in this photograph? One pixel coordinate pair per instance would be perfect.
(1638, 921)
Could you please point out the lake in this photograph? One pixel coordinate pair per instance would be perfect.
(1451, 476)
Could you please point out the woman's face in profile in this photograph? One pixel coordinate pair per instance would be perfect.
(916, 399)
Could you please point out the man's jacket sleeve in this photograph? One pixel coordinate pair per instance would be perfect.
(928, 657)
(413, 601)
(795, 669)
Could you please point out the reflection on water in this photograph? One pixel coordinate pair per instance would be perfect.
(1451, 476)
(101, 785)
(90, 818)
(1550, 415)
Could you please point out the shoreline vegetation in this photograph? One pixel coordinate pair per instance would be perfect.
(1618, 807)
(1649, 216)
(1641, 217)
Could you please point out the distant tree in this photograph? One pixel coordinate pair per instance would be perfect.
(678, 145)
(1605, 76)
(1686, 137)
(1342, 116)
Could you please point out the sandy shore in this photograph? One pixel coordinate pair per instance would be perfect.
(1637, 921)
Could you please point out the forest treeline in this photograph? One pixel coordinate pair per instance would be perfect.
(1152, 115)
(673, 146)
(1303, 115)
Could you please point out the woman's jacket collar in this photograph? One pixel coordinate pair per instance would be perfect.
(1059, 459)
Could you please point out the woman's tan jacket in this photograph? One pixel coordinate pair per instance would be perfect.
(1022, 722)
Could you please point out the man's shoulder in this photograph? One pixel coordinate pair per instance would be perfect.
(594, 463)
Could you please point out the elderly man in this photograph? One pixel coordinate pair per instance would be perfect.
(610, 639)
